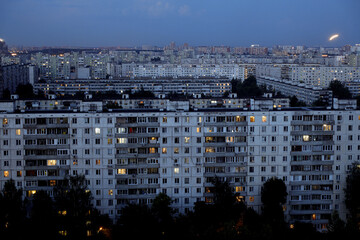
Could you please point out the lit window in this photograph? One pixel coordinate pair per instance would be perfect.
(176, 150)
(31, 193)
(164, 150)
(229, 139)
(121, 140)
(110, 192)
(198, 129)
(109, 140)
(121, 171)
(51, 162)
(97, 161)
(6, 173)
(164, 119)
(18, 132)
(252, 119)
(326, 127)
(239, 198)
(97, 130)
(176, 170)
(251, 199)
(306, 138)
(264, 118)
(239, 189)
(5, 121)
(62, 212)
(209, 149)
(152, 150)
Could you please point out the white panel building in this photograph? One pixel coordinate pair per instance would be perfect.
(129, 156)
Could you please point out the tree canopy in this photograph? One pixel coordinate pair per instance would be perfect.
(273, 196)
(12, 210)
(352, 193)
(339, 90)
(247, 88)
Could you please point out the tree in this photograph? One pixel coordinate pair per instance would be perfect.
(6, 94)
(12, 211)
(273, 196)
(43, 214)
(294, 102)
(352, 194)
(234, 83)
(161, 207)
(320, 103)
(163, 213)
(25, 91)
(248, 88)
(339, 90)
(224, 197)
(73, 203)
(219, 219)
(136, 222)
(336, 227)
(142, 94)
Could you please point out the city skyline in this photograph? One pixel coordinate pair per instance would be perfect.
(149, 22)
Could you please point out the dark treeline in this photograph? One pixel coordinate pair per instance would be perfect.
(70, 215)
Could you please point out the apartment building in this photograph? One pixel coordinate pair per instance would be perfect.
(16, 74)
(310, 75)
(208, 86)
(229, 71)
(131, 155)
(306, 93)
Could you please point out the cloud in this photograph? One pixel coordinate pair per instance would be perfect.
(158, 8)
(155, 8)
(184, 10)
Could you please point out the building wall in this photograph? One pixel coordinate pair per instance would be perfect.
(130, 157)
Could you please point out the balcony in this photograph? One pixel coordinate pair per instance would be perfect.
(311, 132)
(60, 146)
(46, 136)
(312, 122)
(46, 157)
(46, 125)
(137, 145)
(147, 124)
(137, 155)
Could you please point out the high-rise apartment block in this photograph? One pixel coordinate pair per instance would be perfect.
(131, 155)
(15, 74)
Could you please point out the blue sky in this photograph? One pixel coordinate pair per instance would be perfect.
(197, 22)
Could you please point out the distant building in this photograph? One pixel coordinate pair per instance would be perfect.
(207, 86)
(84, 73)
(304, 93)
(310, 75)
(3, 48)
(16, 74)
